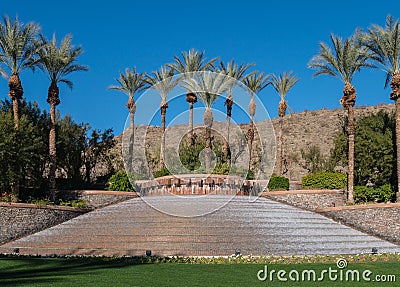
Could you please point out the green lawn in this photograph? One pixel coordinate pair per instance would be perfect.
(97, 272)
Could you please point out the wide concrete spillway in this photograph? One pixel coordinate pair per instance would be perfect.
(256, 226)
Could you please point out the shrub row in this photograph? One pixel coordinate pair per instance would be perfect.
(325, 180)
(364, 194)
(278, 183)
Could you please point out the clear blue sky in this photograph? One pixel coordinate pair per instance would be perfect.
(276, 35)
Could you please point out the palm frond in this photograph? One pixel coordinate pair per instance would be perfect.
(283, 83)
(256, 81)
(162, 81)
(207, 85)
(131, 82)
(343, 61)
(58, 61)
(192, 61)
(17, 44)
(384, 44)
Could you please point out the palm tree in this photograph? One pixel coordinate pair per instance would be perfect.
(255, 82)
(208, 86)
(236, 72)
(131, 83)
(17, 50)
(163, 82)
(57, 62)
(343, 62)
(192, 61)
(384, 44)
(17, 43)
(282, 85)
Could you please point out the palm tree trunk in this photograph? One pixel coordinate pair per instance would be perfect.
(52, 149)
(131, 105)
(15, 184)
(208, 121)
(395, 95)
(250, 138)
(163, 114)
(348, 100)
(191, 98)
(15, 93)
(351, 135)
(250, 133)
(15, 103)
(53, 99)
(279, 151)
(228, 103)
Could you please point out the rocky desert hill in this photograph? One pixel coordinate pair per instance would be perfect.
(301, 131)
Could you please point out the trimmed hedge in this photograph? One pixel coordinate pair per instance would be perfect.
(364, 194)
(278, 183)
(328, 180)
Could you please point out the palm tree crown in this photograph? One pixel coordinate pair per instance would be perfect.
(208, 85)
(162, 81)
(192, 61)
(283, 83)
(256, 82)
(59, 61)
(384, 43)
(347, 58)
(17, 43)
(130, 83)
(234, 70)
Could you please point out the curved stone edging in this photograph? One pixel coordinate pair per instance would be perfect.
(20, 219)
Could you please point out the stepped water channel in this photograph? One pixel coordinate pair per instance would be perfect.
(256, 226)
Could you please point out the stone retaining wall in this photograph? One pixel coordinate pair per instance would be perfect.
(381, 220)
(19, 219)
(308, 199)
(96, 198)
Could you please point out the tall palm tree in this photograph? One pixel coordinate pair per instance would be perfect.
(282, 85)
(384, 44)
(192, 61)
(236, 72)
(18, 48)
(163, 82)
(57, 61)
(343, 62)
(208, 86)
(131, 83)
(255, 82)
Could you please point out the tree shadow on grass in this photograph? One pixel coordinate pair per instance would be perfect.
(31, 271)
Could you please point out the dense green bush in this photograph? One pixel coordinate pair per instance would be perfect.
(162, 172)
(120, 182)
(278, 183)
(375, 146)
(364, 194)
(328, 180)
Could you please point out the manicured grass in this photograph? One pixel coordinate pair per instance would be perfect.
(99, 272)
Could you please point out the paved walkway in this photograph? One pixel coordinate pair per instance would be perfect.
(262, 227)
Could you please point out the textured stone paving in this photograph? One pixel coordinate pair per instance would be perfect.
(260, 227)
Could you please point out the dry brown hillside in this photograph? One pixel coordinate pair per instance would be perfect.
(301, 131)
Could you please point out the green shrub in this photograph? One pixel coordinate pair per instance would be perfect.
(278, 183)
(328, 180)
(364, 194)
(40, 201)
(162, 172)
(76, 203)
(120, 182)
